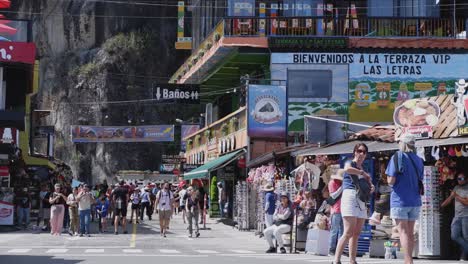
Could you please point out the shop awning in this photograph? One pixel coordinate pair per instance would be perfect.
(442, 142)
(203, 171)
(346, 147)
(278, 154)
(12, 119)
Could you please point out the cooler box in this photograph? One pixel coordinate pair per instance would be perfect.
(317, 242)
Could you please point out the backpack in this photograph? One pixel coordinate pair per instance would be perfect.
(399, 169)
(363, 188)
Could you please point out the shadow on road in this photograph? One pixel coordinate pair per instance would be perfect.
(20, 259)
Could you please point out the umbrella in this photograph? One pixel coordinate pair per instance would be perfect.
(4, 20)
(4, 29)
(5, 3)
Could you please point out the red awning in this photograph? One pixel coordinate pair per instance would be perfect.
(5, 3)
(4, 29)
(4, 20)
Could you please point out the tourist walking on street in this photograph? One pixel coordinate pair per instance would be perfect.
(120, 198)
(353, 208)
(72, 202)
(135, 199)
(459, 226)
(164, 202)
(405, 170)
(23, 203)
(270, 204)
(192, 206)
(102, 209)
(57, 210)
(336, 190)
(146, 204)
(45, 195)
(85, 201)
(182, 201)
(283, 220)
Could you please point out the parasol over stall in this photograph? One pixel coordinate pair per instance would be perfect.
(5, 4)
(4, 29)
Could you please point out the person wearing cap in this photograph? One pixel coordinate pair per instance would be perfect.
(270, 203)
(23, 203)
(283, 220)
(335, 188)
(135, 199)
(405, 170)
(146, 204)
(57, 211)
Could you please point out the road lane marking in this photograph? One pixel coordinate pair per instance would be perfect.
(134, 232)
(57, 250)
(202, 251)
(169, 251)
(243, 251)
(132, 251)
(94, 250)
(19, 250)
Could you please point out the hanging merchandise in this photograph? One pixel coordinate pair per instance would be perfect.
(421, 153)
(464, 153)
(458, 152)
(446, 168)
(451, 152)
(429, 227)
(307, 176)
(241, 206)
(435, 152)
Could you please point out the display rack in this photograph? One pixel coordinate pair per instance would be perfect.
(429, 221)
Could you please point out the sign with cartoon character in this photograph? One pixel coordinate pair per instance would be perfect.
(460, 102)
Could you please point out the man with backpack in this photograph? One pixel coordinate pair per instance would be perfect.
(405, 174)
(164, 203)
(120, 198)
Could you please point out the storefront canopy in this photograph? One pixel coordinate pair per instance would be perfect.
(346, 147)
(203, 171)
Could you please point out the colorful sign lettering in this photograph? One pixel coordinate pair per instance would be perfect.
(89, 134)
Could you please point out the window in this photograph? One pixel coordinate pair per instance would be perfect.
(310, 84)
(241, 8)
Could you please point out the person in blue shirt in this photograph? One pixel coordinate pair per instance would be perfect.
(146, 204)
(102, 209)
(270, 204)
(404, 172)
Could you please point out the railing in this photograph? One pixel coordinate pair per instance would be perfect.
(343, 26)
(15, 30)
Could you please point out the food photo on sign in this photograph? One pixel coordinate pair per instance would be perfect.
(417, 117)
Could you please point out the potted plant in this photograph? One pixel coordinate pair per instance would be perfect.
(197, 140)
(217, 37)
(233, 124)
(189, 144)
(214, 207)
(209, 45)
(207, 134)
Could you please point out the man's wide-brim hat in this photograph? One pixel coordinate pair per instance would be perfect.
(268, 187)
(462, 83)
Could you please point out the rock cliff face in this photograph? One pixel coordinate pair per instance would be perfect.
(92, 52)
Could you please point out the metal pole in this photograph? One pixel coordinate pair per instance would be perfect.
(454, 18)
(337, 121)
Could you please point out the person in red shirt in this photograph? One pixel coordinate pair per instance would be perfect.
(335, 189)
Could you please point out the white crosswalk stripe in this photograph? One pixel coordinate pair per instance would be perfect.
(132, 250)
(169, 251)
(57, 250)
(94, 250)
(201, 251)
(19, 250)
(243, 251)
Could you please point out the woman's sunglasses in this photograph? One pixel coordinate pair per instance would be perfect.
(461, 179)
(360, 151)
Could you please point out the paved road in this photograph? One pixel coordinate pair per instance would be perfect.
(143, 244)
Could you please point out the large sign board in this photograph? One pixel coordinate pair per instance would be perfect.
(417, 117)
(267, 112)
(89, 134)
(176, 93)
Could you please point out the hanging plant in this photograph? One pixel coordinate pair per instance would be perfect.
(217, 37)
(224, 129)
(201, 54)
(197, 140)
(233, 124)
(209, 45)
(207, 134)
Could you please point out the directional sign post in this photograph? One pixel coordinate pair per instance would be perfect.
(176, 93)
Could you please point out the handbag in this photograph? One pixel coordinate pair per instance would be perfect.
(363, 189)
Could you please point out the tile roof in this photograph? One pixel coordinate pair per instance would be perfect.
(377, 133)
(416, 43)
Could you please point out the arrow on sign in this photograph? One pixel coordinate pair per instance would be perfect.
(194, 95)
(158, 93)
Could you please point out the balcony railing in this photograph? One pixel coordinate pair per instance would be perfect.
(343, 26)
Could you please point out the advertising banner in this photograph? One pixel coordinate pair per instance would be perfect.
(417, 117)
(6, 213)
(267, 111)
(89, 134)
(372, 84)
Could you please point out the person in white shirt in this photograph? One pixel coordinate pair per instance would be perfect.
(182, 201)
(85, 200)
(164, 202)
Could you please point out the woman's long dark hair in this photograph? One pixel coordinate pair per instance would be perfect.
(360, 145)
